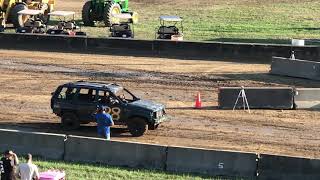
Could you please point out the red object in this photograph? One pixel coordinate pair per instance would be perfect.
(72, 33)
(198, 101)
(52, 175)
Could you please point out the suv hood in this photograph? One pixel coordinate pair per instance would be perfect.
(146, 104)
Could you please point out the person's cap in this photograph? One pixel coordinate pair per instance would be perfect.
(8, 152)
(102, 107)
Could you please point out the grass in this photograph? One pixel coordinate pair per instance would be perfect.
(237, 20)
(80, 171)
(266, 21)
(229, 20)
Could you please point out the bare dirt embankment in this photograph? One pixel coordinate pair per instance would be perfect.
(28, 78)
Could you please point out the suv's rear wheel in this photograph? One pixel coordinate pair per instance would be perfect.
(70, 121)
(137, 126)
(153, 126)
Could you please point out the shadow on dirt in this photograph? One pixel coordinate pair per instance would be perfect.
(192, 108)
(84, 130)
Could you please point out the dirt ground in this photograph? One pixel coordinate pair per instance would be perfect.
(28, 78)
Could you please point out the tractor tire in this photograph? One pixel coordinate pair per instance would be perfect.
(16, 19)
(70, 121)
(111, 8)
(87, 14)
(137, 126)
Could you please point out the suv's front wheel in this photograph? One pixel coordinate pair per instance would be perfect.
(137, 126)
(70, 121)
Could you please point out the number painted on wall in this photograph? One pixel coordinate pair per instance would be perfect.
(114, 112)
(220, 165)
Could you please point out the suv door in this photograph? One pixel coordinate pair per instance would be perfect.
(63, 99)
(86, 103)
(115, 107)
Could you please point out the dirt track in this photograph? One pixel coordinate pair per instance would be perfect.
(28, 78)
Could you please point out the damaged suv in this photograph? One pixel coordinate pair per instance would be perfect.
(76, 104)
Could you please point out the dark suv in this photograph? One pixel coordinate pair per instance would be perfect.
(76, 104)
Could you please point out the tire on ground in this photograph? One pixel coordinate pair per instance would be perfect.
(153, 126)
(109, 10)
(86, 14)
(16, 19)
(70, 121)
(137, 126)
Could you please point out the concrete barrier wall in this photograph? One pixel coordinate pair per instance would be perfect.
(217, 163)
(272, 167)
(307, 98)
(258, 97)
(87, 149)
(295, 68)
(163, 48)
(234, 51)
(187, 49)
(102, 44)
(42, 42)
(173, 159)
(41, 144)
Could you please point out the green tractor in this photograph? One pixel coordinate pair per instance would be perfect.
(103, 10)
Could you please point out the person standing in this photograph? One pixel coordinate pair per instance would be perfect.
(7, 165)
(28, 170)
(104, 121)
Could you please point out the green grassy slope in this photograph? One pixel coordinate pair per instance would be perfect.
(230, 19)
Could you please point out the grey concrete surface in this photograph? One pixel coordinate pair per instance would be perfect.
(126, 154)
(258, 97)
(272, 167)
(45, 145)
(307, 98)
(217, 163)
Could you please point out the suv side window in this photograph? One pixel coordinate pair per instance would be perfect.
(103, 97)
(87, 95)
(67, 93)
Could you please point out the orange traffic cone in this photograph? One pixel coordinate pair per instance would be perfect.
(198, 101)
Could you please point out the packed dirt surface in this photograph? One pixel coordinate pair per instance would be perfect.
(28, 78)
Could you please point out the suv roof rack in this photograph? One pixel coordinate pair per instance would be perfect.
(97, 82)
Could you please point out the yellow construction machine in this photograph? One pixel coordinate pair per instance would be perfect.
(9, 11)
